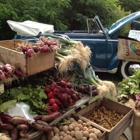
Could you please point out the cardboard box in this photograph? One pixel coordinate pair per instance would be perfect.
(29, 65)
(118, 129)
(128, 49)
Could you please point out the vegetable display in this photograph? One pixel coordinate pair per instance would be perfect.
(17, 127)
(42, 45)
(72, 128)
(34, 96)
(61, 95)
(129, 88)
(103, 117)
(52, 92)
(9, 72)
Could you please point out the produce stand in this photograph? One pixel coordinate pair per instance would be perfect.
(120, 126)
(71, 90)
(29, 66)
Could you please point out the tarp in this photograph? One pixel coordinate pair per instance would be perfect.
(135, 34)
(30, 28)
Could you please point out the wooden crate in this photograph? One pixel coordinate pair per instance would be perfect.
(76, 117)
(111, 105)
(29, 65)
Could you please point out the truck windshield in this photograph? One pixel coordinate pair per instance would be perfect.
(92, 26)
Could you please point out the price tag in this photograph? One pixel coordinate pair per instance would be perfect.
(1, 88)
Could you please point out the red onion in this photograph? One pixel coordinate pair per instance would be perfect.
(36, 48)
(45, 48)
(1, 67)
(2, 75)
(8, 68)
(30, 52)
(18, 72)
(54, 43)
(8, 75)
(24, 48)
(53, 47)
(48, 42)
(39, 44)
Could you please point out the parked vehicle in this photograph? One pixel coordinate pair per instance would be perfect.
(135, 25)
(103, 43)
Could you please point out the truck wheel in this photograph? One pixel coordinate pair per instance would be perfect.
(128, 68)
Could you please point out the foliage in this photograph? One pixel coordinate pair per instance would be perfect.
(106, 10)
(130, 5)
(63, 14)
(130, 86)
(31, 95)
(49, 12)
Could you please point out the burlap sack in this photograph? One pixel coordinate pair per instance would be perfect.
(136, 125)
(128, 50)
(136, 120)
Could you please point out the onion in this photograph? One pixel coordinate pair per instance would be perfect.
(18, 72)
(2, 75)
(1, 67)
(48, 42)
(54, 43)
(36, 48)
(8, 68)
(45, 48)
(8, 75)
(53, 47)
(39, 44)
(30, 52)
(24, 48)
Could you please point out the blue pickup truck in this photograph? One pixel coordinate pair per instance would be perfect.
(103, 43)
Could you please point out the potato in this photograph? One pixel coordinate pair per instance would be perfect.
(90, 139)
(78, 135)
(92, 135)
(88, 124)
(68, 132)
(80, 126)
(61, 138)
(60, 128)
(55, 138)
(50, 134)
(76, 128)
(84, 138)
(86, 134)
(68, 137)
(56, 134)
(98, 133)
(72, 133)
(71, 127)
(62, 133)
(84, 124)
(55, 130)
(65, 128)
(80, 121)
(92, 130)
(85, 128)
(74, 123)
(72, 119)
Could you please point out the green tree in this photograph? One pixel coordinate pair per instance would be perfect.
(45, 11)
(63, 14)
(130, 5)
(108, 11)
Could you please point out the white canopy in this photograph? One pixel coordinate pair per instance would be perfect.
(30, 28)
